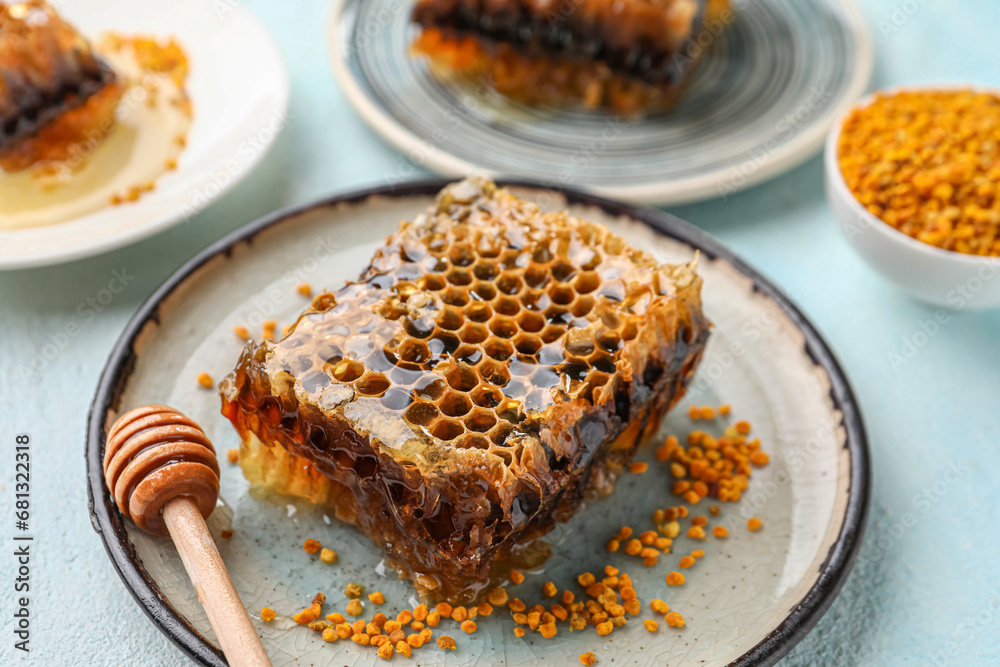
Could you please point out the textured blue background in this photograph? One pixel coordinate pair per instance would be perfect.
(926, 589)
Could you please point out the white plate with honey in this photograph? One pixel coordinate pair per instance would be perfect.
(120, 119)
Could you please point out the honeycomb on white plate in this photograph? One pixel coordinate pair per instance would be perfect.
(492, 368)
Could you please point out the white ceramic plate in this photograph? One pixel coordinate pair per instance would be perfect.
(239, 87)
(759, 104)
(748, 601)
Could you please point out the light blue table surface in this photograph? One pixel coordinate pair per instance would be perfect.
(926, 589)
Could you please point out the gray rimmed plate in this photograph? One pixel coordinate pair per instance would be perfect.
(759, 104)
(747, 602)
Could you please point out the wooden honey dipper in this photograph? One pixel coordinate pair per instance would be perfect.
(162, 471)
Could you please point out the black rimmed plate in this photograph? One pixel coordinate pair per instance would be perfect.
(747, 602)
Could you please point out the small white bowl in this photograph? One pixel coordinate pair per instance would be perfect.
(941, 277)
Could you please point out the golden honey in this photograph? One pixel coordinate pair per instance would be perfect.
(492, 369)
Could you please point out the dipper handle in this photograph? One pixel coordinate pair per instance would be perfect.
(211, 581)
(162, 471)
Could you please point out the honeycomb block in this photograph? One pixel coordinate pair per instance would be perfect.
(625, 54)
(54, 91)
(493, 368)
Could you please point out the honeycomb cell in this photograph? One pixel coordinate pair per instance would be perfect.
(348, 370)
(414, 351)
(536, 276)
(485, 270)
(602, 362)
(535, 300)
(430, 387)
(579, 342)
(480, 420)
(474, 441)
(498, 348)
(461, 254)
(502, 431)
(494, 372)
(453, 296)
(509, 283)
(479, 311)
(462, 378)
(506, 305)
(451, 318)
(443, 344)
(610, 341)
(583, 305)
(587, 282)
(562, 271)
(459, 276)
(504, 327)
(527, 343)
(486, 397)
(421, 414)
(468, 354)
(485, 291)
(474, 333)
(396, 398)
(530, 322)
(562, 294)
(372, 384)
(431, 282)
(455, 404)
(447, 429)
(552, 333)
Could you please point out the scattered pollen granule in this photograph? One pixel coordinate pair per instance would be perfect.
(549, 589)
(518, 632)
(639, 467)
(468, 626)
(268, 329)
(675, 579)
(353, 591)
(674, 620)
(311, 546)
(267, 614)
(446, 642)
(754, 523)
(928, 164)
(588, 659)
(328, 556)
(651, 625)
(305, 289)
(354, 607)
(233, 455)
(516, 577)
(377, 597)
(241, 332)
(205, 380)
(720, 531)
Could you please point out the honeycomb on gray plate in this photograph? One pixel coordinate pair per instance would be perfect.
(626, 55)
(493, 368)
